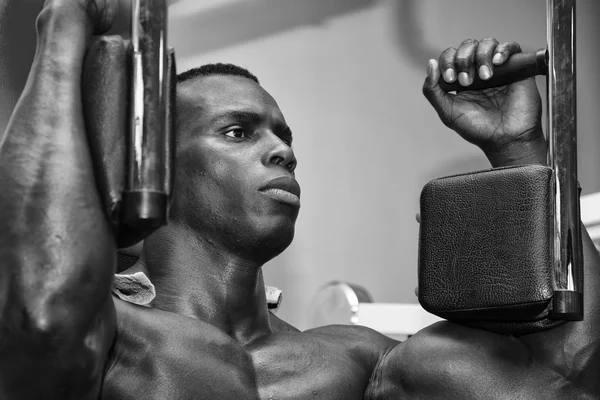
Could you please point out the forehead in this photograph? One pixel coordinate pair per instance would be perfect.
(216, 94)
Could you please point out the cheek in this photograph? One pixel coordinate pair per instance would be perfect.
(214, 182)
(236, 192)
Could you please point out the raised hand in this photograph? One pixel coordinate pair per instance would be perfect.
(100, 13)
(493, 119)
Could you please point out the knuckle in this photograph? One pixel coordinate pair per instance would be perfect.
(489, 39)
(448, 53)
(509, 47)
(469, 41)
(446, 59)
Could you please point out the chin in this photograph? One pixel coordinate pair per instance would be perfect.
(283, 239)
(274, 241)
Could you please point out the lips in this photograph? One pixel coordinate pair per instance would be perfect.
(286, 183)
(284, 189)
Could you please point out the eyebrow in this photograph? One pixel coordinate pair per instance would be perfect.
(242, 116)
(282, 130)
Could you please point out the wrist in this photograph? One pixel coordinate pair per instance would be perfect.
(530, 148)
(62, 36)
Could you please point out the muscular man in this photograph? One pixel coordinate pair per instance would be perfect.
(208, 333)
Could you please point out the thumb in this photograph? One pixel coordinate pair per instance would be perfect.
(441, 101)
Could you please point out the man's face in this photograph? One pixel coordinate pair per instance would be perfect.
(234, 180)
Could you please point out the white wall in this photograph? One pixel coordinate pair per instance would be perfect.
(348, 76)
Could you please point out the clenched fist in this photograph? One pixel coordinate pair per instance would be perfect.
(493, 119)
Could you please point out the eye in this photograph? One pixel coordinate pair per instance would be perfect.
(237, 133)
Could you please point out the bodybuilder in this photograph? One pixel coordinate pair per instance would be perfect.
(208, 333)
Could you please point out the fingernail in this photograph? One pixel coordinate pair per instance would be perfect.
(463, 79)
(485, 73)
(449, 76)
(429, 68)
(497, 58)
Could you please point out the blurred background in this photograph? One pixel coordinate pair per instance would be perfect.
(347, 75)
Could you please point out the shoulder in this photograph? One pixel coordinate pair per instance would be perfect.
(360, 338)
(446, 360)
(365, 345)
(357, 334)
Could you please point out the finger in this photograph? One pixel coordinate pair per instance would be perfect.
(440, 100)
(465, 61)
(446, 63)
(483, 58)
(503, 52)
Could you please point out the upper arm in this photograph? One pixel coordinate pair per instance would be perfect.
(447, 360)
(32, 367)
(559, 363)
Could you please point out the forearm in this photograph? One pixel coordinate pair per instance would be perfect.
(55, 244)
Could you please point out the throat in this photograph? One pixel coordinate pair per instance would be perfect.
(213, 286)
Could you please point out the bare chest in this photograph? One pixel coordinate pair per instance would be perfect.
(305, 366)
(206, 364)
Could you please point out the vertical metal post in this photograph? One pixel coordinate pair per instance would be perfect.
(562, 138)
(146, 187)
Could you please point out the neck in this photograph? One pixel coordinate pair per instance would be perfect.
(197, 278)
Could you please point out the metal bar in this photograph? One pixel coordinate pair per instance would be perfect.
(562, 139)
(146, 187)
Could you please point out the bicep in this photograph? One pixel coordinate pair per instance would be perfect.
(31, 367)
(447, 360)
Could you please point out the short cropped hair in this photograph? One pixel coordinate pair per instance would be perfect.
(216, 69)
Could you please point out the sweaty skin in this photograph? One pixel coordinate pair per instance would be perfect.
(208, 334)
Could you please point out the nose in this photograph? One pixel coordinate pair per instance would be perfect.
(281, 154)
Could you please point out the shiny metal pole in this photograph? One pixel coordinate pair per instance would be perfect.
(145, 198)
(562, 140)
